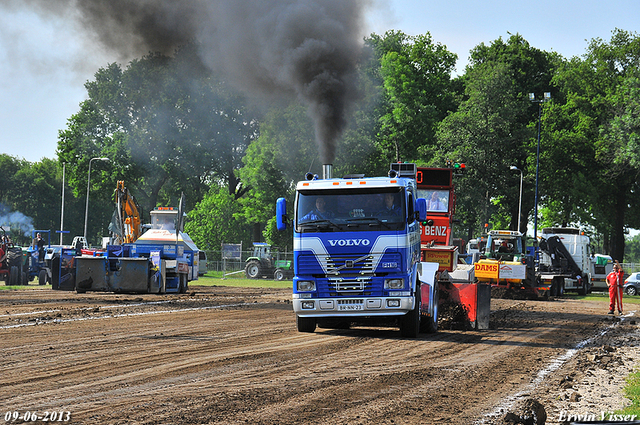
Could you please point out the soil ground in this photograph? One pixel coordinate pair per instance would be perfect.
(233, 356)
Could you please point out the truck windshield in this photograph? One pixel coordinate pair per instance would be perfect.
(350, 210)
(164, 220)
(437, 200)
(504, 245)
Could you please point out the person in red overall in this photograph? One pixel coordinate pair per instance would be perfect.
(615, 282)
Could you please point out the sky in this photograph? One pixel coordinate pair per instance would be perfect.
(45, 62)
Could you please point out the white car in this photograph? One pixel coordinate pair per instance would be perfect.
(632, 284)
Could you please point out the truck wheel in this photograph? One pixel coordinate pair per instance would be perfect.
(410, 322)
(42, 277)
(430, 324)
(306, 324)
(278, 274)
(253, 269)
(583, 290)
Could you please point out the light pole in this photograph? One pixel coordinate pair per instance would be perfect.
(86, 211)
(532, 98)
(514, 168)
(64, 167)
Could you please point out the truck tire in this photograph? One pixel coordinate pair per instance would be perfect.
(42, 277)
(253, 270)
(410, 322)
(306, 324)
(430, 324)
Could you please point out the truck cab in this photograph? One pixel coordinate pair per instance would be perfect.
(357, 252)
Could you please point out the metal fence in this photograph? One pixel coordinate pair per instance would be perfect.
(215, 262)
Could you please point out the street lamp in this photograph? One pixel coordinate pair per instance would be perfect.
(64, 167)
(532, 98)
(86, 211)
(514, 168)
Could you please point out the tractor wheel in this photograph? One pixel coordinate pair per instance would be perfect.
(306, 324)
(14, 276)
(410, 322)
(253, 269)
(42, 277)
(24, 278)
(278, 274)
(14, 257)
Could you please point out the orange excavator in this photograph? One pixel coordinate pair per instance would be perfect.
(129, 216)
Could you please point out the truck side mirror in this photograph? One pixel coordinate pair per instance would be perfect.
(281, 213)
(421, 205)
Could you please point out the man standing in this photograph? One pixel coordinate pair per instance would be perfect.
(40, 245)
(615, 282)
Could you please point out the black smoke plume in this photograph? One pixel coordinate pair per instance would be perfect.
(306, 48)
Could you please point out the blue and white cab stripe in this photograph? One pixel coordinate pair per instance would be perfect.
(376, 249)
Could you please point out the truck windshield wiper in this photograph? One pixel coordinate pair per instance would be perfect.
(319, 224)
(371, 221)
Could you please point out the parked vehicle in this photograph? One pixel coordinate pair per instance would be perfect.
(565, 260)
(202, 263)
(632, 284)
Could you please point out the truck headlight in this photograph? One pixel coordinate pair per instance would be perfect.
(306, 285)
(308, 305)
(394, 284)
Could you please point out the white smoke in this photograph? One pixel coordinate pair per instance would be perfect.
(15, 221)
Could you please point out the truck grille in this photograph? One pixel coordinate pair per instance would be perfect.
(350, 265)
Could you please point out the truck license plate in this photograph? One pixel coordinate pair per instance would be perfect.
(348, 307)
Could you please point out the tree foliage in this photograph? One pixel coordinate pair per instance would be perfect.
(170, 125)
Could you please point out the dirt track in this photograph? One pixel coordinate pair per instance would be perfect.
(232, 355)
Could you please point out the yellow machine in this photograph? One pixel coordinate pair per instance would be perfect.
(129, 215)
(505, 264)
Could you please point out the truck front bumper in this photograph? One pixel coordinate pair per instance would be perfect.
(353, 306)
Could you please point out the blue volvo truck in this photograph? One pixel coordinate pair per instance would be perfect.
(356, 245)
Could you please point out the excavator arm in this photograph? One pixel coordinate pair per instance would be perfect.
(129, 214)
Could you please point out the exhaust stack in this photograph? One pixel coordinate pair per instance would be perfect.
(327, 170)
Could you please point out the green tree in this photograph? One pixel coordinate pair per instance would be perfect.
(418, 93)
(599, 115)
(217, 219)
(168, 125)
(493, 129)
(632, 250)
